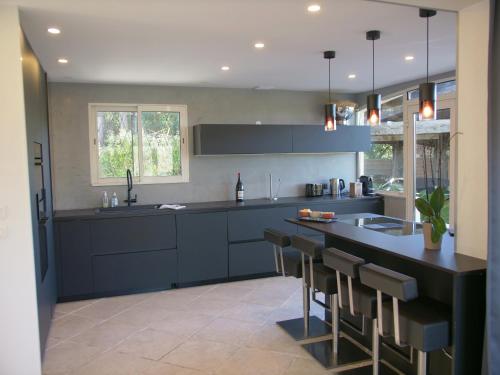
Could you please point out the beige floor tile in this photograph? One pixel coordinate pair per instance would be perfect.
(113, 363)
(69, 326)
(108, 307)
(301, 366)
(170, 301)
(272, 337)
(105, 335)
(140, 316)
(211, 305)
(150, 344)
(200, 355)
(67, 356)
(248, 361)
(69, 307)
(186, 323)
(194, 291)
(231, 291)
(249, 312)
(267, 297)
(51, 342)
(167, 369)
(228, 331)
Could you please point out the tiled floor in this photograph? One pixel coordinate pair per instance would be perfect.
(223, 329)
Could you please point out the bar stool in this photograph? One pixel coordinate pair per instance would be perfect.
(360, 301)
(279, 240)
(418, 322)
(308, 328)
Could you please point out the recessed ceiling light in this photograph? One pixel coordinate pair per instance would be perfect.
(351, 76)
(259, 45)
(62, 61)
(409, 58)
(225, 68)
(314, 8)
(53, 30)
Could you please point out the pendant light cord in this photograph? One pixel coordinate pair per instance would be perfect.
(329, 81)
(427, 49)
(373, 66)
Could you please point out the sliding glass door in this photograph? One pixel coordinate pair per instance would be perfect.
(430, 158)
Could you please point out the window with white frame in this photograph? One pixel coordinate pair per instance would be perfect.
(150, 140)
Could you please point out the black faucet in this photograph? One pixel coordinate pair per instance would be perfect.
(129, 200)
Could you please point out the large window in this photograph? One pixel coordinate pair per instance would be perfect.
(150, 140)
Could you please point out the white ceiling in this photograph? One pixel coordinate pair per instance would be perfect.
(453, 5)
(185, 42)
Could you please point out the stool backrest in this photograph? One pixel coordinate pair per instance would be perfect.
(345, 264)
(397, 285)
(277, 237)
(307, 246)
(389, 282)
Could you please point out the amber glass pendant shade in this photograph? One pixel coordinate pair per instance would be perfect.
(427, 101)
(330, 121)
(373, 109)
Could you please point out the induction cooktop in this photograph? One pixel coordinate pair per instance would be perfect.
(386, 225)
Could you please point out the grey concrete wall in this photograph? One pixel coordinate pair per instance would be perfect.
(211, 177)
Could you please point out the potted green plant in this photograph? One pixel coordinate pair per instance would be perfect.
(433, 224)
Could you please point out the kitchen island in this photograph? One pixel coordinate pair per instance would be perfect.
(456, 280)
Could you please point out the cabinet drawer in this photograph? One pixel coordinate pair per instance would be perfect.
(74, 258)
(135, 271)
(202, 246)
(251, 258)
(247, 225)
(140, 233)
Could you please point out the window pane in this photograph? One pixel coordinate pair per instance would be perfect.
(161, 142)
(384, 163)
(432, 155)
(117, 143)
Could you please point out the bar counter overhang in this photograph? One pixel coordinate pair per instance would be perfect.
(455, 279)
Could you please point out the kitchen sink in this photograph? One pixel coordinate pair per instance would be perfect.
(144, 207)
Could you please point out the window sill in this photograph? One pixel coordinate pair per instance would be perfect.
(159, 181)
(392, 194)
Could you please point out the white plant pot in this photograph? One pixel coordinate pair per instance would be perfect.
(429, 245)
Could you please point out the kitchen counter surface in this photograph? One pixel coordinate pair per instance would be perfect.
(409, 247)
(306, 202)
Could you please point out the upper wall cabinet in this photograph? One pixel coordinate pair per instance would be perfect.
(212, 139)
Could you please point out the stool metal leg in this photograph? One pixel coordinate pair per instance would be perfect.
(422, 363)
(375, 347)
(305, 297)
(282, 262)
(334, 303)
(276, 261)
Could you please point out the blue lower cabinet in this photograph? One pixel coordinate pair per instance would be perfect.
(202, 247)
(251, 258)
(129, 272)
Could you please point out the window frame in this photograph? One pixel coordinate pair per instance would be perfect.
(93, 108)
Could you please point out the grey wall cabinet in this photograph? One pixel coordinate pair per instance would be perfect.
(215, 139)
(310, 139)
(251, 258)
(137, 271)
(242, 139)
(73, 253)
(248, 225)
(139, 233)
(202, 246)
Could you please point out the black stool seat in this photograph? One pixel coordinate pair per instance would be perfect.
(277, 237)
(364, 299)
(423, 323)
(324, 279)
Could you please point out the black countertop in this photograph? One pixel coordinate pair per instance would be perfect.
(306, 202)
(410, 247)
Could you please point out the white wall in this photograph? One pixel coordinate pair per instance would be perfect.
(472, 161)
(19, 342)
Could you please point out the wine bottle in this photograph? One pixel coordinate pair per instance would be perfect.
(240, 190)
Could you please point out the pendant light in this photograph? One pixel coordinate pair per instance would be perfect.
(330, 108)
(427, 91)
(373, 101)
